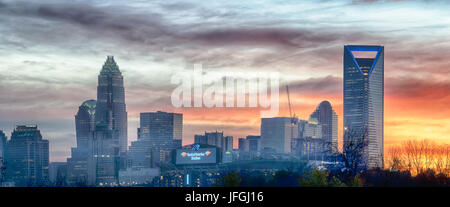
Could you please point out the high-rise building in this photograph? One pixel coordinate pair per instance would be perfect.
(2, 145)
(27, 157)
(84, 127)
(110, 110)
(277, 133)
(364, 99)
(328, 120)
(109, 138)
(85, 123)
(3, 140)
(159, 133)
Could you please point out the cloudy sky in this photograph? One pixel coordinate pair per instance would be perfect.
(51, 53)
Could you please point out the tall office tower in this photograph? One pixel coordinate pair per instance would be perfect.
(364, 99)
(84, 127)
(2, 146)
(110, 108)
(159, 133)
(85, 123)
(27, 157)
(109, 138)
(277, 133)
(2, 154)
(328, 120)
(162, 128)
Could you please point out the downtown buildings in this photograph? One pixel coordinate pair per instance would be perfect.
(217, 139)
(159, 133)
(364, 101)
(101, 132)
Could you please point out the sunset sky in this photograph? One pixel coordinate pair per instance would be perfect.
(51, 54)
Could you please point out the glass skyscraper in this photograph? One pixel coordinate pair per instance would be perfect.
(328, 120)
(109, 138)
(111, 109)
(363, 100)
(84, 126)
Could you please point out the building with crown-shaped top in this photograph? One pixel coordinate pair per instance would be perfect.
(111, 109)
(108, 140)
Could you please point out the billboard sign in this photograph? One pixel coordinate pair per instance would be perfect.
(196, 156)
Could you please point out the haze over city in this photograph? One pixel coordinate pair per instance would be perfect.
(52, 54)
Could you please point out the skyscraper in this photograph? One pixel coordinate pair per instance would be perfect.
(364, 99)
(2, 146)
(84, 126)
(2, 154)
(110, 108)
(109, 138)
(85, 123)
(158, 134)
(328, 120)
(27, 157)
(277, 134)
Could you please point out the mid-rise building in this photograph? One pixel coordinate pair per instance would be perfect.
(217, 139)
(310, 144)
(57, 173)
(277, 134)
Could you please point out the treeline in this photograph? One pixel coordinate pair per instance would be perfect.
(418, 157)
(323, 178)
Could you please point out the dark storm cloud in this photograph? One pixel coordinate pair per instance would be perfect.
(151, 33)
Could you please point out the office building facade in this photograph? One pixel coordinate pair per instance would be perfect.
(364, 101)
(277, 134)
(27, 157)
(328, 120)
(159, 133)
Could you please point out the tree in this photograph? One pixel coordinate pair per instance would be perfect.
(353, 156)
(231, 179)
(284, 178)
(315, 178)
(355, 182)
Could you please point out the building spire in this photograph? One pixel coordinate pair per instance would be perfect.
(110, 66)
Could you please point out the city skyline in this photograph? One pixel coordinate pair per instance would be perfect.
(43, 83)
